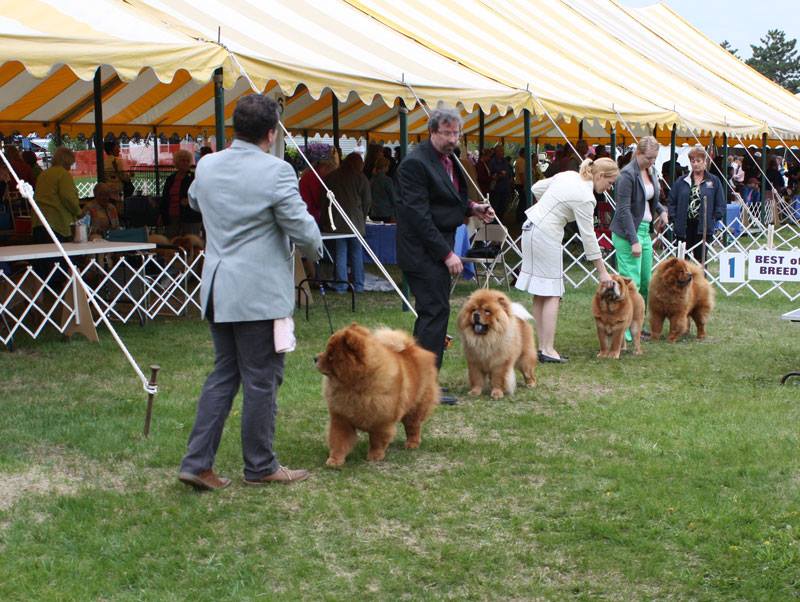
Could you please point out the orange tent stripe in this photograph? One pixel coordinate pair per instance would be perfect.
(9, 71)
(147, 101)
(182, 109)
(49, 88)
(314, 108)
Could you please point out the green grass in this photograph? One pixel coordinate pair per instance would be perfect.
(670, 476)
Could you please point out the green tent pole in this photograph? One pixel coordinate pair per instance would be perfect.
(335, 119)
(526, 121)
(614, 154)
(764, 176)
(481, 127)
(98, 125)
(219, 109)
(403, 115)
(673, 155)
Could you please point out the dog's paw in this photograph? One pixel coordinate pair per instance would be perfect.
(475, 391)
(530, 383)
(375, 456)
(334, 463)
(497, 394)
(412, 444)
(601, 354)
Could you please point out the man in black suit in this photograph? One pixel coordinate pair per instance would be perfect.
(433, 203)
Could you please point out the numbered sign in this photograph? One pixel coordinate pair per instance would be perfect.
(731, 267)
(774, 265)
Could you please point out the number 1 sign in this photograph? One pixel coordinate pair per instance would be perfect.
(732, 267)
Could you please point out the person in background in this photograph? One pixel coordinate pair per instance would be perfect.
(205, 150)
(352, 191)
(687, 200)
(485, 182)
(638, 205)
(751, 195)
(574, 161)
(384, 197)
(387, 153)
(176, 214)
(30, 158)
(252, 213)
(565, 197)
(500, 196)
(312, 190)
(473, 193)
(115, 169)
(23, 170)
(102, 211)
(57, 197)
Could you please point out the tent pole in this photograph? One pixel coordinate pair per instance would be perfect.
(580, 130)
(725, 154)
(481, 128)
(219, 108)
(58, 134)
(614, 156)
(155, 158)
(673, 155)
(526, 122)
(335, 118)
(403, 114)
(305, 140)
(98, 125)
(764, 177)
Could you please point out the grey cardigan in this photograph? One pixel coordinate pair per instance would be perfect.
(630, 201)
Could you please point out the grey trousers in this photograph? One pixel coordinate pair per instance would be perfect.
(245, 352)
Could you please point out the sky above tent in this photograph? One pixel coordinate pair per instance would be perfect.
(741, 23)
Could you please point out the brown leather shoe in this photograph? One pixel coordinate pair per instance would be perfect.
(207, 480)
(282, 475)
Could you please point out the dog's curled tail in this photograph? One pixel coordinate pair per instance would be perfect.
(519, 311)
(396, 340)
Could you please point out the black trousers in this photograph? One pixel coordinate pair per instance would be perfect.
(431, 290)
(694, 237)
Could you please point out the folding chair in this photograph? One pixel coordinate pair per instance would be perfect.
(486, 253)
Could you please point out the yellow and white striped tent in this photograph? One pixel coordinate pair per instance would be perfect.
(577, 59)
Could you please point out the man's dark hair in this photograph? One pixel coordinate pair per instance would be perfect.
(254, 117)
(108, 146)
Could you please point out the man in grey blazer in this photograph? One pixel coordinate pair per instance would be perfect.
(252, 212)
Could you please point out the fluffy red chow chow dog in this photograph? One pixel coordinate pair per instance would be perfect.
(617, 308)
(497, 338)
(373, 380)
(679, 290)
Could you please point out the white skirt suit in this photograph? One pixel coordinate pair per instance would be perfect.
(561, 199)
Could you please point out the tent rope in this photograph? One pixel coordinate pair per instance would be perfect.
(329, 194)
(26, 190)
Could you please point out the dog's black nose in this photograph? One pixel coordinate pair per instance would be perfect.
(316, 360)
(476, 317)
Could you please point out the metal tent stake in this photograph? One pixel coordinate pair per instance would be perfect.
(154, 368)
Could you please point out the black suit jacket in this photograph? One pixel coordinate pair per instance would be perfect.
(429, 209)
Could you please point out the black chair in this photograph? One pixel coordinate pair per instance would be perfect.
(139, 211)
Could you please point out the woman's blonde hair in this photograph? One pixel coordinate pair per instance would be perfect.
(63, 157)
(604, 166)
(646, 144)
(698, 151)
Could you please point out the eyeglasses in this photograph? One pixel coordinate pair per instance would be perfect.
(449, 133)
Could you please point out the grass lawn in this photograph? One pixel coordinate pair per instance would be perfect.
(671, 476)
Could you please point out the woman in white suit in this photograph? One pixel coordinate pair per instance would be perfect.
(563, 198)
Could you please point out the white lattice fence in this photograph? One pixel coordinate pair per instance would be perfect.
(138, 287)
(737, 237)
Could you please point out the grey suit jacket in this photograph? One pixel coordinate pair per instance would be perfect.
(252, 211)
(630, 201)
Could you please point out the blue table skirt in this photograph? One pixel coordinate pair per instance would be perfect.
(382, 239)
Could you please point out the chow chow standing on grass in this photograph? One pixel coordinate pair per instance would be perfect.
(373, 380)
(617, 308)
(497, 338)
(679, 290)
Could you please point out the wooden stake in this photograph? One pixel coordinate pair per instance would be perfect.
(149, 414)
